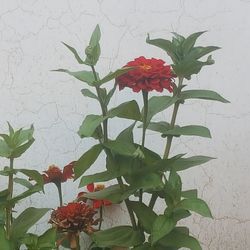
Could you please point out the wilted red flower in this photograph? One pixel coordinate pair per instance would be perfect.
(96, 203)
(74, 217)
(56, 175)
(147, 75)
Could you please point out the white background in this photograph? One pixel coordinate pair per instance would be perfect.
(30, 36)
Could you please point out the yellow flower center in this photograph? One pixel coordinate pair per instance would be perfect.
(145, 67)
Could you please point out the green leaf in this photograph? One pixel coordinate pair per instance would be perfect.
(124, 148)
(146, 181)
(26, 220)
(127, 110)
(98, 177)
(191, 130)
(188, 67)
(89, 125)
(162, 226)
(23, 182)
(84, 76)
(145, 215)
(114, 193)
(5, 244)
(23, 135)
(127, 134)
(33, 175)
(27, 193)
(122, 236)
(179, 214)
(174, 186)
(48, 239)
(166, 45)
(198, 52)
(17, 152)
(86, 160)
(157, 104)
(179, 239)
(78, 58)
(196, 205)
(93, 50)
(202, 94)
(95, 37)
(181, 164)
(189, 42)
(113, 75)
(88, 93)
(5, 151)
(192, 193)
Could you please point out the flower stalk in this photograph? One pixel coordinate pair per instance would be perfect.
(10, 194)
(105, 134)
(169, 137)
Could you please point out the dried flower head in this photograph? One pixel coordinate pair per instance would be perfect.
(74, 217)
(147, 75)
(56, 175)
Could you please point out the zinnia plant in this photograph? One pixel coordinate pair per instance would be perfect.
(134, 165)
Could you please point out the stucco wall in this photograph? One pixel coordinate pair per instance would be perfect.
(30, 36)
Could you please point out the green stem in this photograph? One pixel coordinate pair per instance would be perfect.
(170, 137)
(105, 134)
(144, 128)
(101, 218)
(10, 194)
(59, 188)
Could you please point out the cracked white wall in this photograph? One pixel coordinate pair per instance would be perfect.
(30, 36)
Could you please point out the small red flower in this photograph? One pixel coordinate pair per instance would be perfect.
(74, 217)
(149, 74)
(96, 203)
(56, 175)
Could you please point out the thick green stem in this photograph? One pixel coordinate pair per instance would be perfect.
(101, 218)
(144, 128)
(10, 194)
(105, 135)
(59, 188)
(170, 137)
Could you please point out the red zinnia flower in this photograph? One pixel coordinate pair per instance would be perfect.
(96, 203)
(149, 74)
(74, 217)
(56, 175)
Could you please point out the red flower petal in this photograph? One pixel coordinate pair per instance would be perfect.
(91, 187)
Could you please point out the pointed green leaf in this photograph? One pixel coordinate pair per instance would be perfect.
(17, 152)
(202, 94)
(73, 50)
(114, 193)
(86, 160)
(162, 226)
(157, 104)
(178, 239)
(196, 205)
(122, 236)
(33, 175)
(84, 76)
(26, 220)
(127, 110)
(127, 134)
(88, 93)
(189, 42)
(47, 239)
(192, 193)
(198, 52)
(89, 125)
(23, 182)
(145, 215)
(113, 75)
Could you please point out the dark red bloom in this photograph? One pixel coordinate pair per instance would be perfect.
(74, 217)
(147, 75)
(56, 175)
(96, 203)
